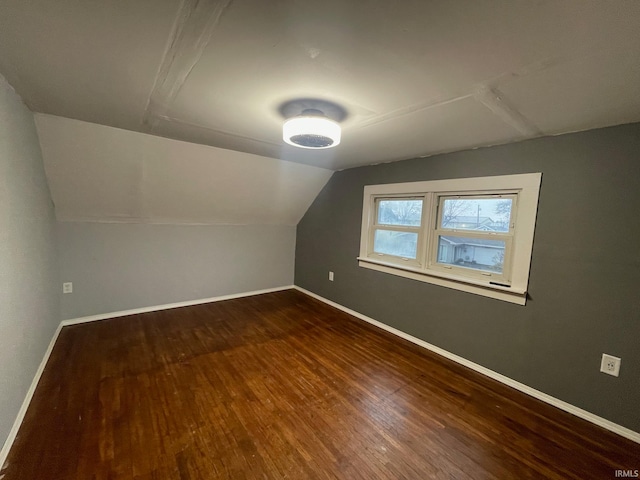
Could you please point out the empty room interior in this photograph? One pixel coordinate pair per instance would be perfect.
(319, 240)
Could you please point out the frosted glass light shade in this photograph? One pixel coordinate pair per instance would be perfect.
(311, 131)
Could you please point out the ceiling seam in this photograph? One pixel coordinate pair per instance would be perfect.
(190, 36)
(413, 108)
(179, 20)
(494, 100)
(219, 131)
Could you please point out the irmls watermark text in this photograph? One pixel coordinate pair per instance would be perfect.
(627, 473)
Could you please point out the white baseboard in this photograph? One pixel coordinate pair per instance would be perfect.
(27, 400)
(155, 308)
(562, 405)
(93, 318)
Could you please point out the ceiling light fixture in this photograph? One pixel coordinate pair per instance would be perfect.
(311, 129)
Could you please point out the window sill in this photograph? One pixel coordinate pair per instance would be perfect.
(507, 294)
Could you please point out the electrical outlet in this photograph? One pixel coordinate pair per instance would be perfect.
(331, 276)
(67, 287)
(610, 365)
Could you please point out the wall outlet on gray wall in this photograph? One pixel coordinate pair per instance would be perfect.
(331, 276)
(610, 365)
(67, 287)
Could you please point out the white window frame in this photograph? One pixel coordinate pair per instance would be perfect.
(511, 285)
(503, 278)
(375, 226)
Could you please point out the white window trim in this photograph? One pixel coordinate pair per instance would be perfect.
(527, 186)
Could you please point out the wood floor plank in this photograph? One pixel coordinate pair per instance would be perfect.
(282, 386)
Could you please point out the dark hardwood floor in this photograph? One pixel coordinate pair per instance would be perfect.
(282, 386)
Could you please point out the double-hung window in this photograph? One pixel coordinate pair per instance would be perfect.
(473, 234)
(397, 229)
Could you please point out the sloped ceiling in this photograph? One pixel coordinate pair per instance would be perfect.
(105, 174)
(415, 77)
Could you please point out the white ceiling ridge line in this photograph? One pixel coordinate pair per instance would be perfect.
(414, 107)
(167, 118)
(195, 23)
(494, 100)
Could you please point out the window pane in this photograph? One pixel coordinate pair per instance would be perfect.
(401, 244)
(487, 255)
(479, 214)
(400, 212)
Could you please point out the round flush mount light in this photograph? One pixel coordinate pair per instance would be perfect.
(311, 129)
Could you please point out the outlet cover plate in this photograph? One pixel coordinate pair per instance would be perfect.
(67, 287)
(610, 365)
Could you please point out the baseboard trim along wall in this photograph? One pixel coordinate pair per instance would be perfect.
(27, 400)
(155, 308)
(104, 316)
(562, 405)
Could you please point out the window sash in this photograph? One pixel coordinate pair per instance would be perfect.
(513, 196)
(374, 226)
(435, 233)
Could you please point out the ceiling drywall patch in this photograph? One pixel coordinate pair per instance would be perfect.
(194, 25)
(495, 101)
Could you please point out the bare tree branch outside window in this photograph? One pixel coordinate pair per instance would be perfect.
(453, 208)
(401, 212)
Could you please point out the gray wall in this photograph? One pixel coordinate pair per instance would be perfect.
(584, 280)
(117, 267)
(29, 288)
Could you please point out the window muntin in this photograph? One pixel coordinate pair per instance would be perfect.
(500, 278)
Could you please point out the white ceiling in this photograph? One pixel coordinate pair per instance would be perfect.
(104, 174)
(415, 77)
